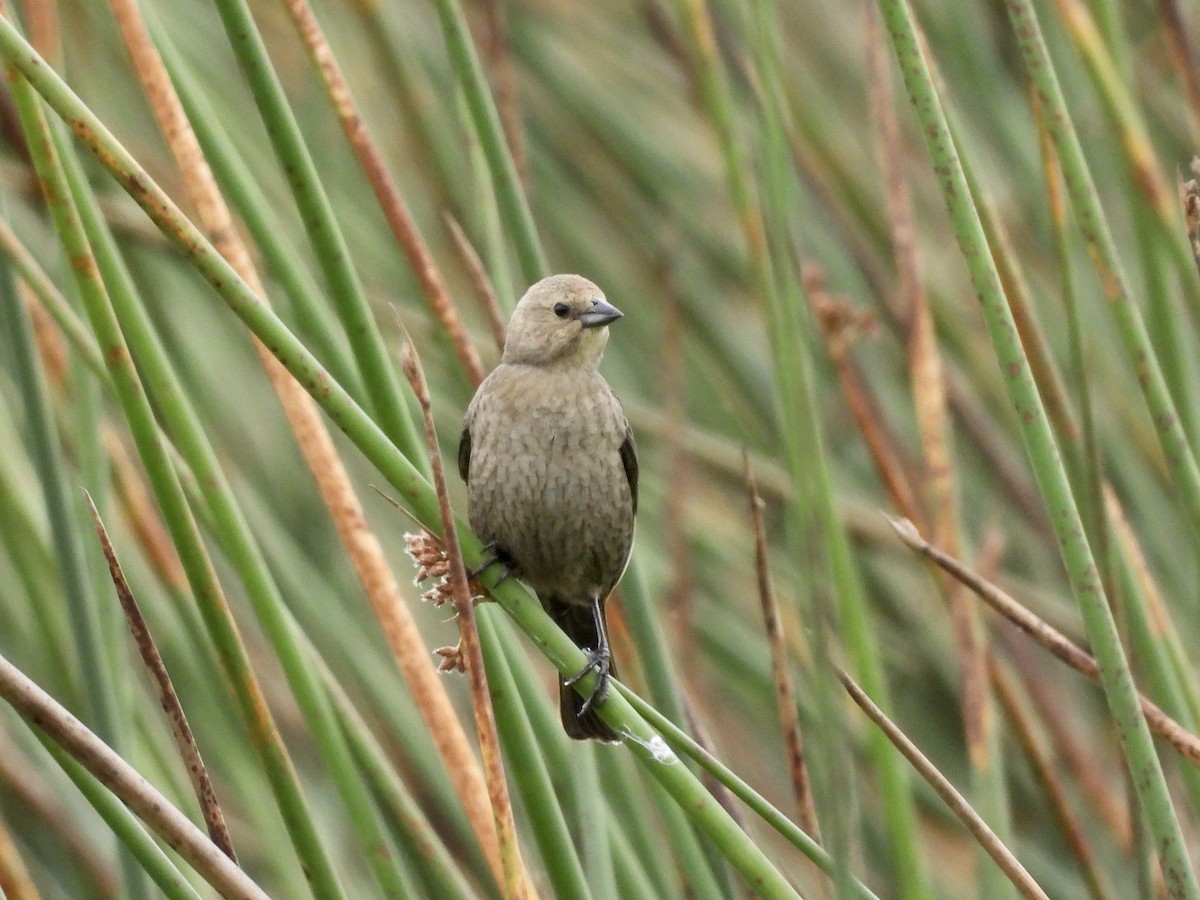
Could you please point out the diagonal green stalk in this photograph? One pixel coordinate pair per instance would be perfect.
(36, 279)
(1092, 222)
(47, 632)
(528, 770)
(380, 379)
(439, 871)
(307, 585)
(1115, 675)
(244, 194)
(125, 825)
(1148, 648)
(184, 427)
(647, 747)
(500, 177)
(766, 225)
(802, 439)
(662, 682)
(788, 829)
(487, 216)
(1156, 210)
(152, 448)
(47, 458)
(369, 756)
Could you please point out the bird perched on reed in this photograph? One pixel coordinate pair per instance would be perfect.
(552, 473)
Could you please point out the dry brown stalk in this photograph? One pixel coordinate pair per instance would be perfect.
(142, 798)
(839, 324)
(1186, 743)
(1079, 22)
(785, 695)
(181, 731)
(1184, 58)
(395, 210)
(333, 483)
(516, 882)
(958, 804)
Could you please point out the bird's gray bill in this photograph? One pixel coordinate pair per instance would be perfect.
(601, 313)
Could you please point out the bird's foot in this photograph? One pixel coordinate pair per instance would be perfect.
(600, 662)
(494, 556)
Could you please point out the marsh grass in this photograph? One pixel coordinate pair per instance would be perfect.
(977, 311)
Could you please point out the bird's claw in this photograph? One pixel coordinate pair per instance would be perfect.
(493, 556)
(600, 662)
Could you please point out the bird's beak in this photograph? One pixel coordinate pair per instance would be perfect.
(601, 313)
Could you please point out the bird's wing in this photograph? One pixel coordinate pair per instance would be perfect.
(629, 462)
(464, 453)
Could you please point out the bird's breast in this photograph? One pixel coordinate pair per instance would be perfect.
(546, 482)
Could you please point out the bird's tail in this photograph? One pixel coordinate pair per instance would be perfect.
(577, 621)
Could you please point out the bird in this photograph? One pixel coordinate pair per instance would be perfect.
(551, 470)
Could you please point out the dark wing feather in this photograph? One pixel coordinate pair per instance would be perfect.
(629, 462)
(464, 454)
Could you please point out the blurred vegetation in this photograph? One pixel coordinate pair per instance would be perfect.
(749, 184)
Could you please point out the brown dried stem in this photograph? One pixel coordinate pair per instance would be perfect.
(838, 325)
(362, 546)
(785, 695)
(958, 804)
(516, 881)
(395, 210)
(185, 741)
(1183, 57)
(1186, 743)
(142, 798)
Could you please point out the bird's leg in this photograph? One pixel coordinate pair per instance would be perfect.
(599, 661)
(492, 556)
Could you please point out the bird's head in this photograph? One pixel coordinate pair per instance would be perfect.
(561, 320)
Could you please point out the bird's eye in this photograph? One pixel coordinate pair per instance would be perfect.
(561, 310)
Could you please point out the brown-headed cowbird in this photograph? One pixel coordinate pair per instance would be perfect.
(551, 472)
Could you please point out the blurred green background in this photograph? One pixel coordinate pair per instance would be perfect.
(632, 174)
